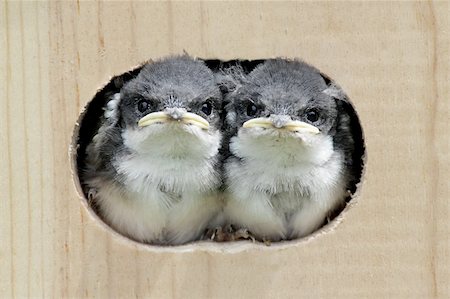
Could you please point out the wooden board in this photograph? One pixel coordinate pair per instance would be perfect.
(391, 58)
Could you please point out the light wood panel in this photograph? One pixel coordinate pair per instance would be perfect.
(391, 58)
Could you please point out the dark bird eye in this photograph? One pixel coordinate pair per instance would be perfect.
(312, 116)
(207, 108)
(143, 105)
(251, 109)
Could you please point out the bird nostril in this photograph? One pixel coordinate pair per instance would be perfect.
(279, 121)
(175, 113)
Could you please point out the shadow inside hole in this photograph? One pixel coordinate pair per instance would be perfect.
(89, 124)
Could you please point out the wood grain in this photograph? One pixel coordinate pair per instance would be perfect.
(391, 58)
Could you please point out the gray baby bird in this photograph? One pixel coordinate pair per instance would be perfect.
(153, 165)
(290, 149)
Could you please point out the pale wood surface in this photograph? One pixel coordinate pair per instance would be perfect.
(391, 58)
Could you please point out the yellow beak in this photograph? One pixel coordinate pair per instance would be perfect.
(163, 117)
(293, 126)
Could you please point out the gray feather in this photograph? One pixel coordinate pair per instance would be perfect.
(112, 167)
(288, 89)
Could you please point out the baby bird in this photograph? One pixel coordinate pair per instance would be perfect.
(153, 165)
(290, 149)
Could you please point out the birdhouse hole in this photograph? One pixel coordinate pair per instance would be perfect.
(88, 124)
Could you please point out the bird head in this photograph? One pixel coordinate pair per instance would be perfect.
(173, 105)
(282, 106)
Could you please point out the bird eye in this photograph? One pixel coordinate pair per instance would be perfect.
(312, 116)
(143, 105)
(251, 109)
(207, 108)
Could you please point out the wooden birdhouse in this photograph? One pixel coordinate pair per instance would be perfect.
(392, 59)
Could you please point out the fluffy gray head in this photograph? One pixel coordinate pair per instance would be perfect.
(174, 85)
(284, 91)
(176, 82)
(281, 87)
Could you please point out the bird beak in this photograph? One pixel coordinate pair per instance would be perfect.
(293, 126)
(174, 114)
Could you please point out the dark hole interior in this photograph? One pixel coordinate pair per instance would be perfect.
(89, 122)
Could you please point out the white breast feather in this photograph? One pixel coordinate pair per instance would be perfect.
(279, 180)
(170, 181)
